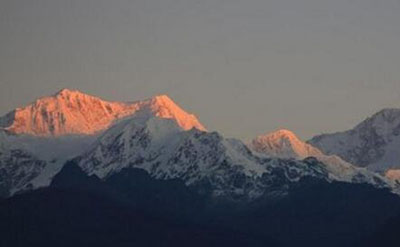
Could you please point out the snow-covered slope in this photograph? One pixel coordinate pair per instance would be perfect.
(28, 162)
(285, 144)
(374, 143)
(166, 151)
(17, 167)
(72, 112)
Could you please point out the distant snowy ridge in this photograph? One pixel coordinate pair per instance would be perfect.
(285, 144)
(374, 143)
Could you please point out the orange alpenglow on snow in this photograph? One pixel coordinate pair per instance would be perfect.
(71, 112)
(393, 174)
(164, 107)
(284, 144)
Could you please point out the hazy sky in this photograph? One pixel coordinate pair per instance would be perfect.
(244, 67)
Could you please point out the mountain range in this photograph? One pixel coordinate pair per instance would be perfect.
(153, 156)
(158, 136)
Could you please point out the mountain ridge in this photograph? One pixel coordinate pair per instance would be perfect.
(30, 155)
(157, 177)
(158, 136)
(71, 112)
(373, 143)
(285, 144)
(231, 168)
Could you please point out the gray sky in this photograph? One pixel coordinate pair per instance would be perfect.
(244, 67)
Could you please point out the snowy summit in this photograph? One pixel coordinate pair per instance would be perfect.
(71, 112)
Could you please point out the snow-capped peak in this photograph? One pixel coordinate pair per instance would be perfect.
(374, 143)
(71, 112)
(284, 144)
(64, 113)
(164, 107)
